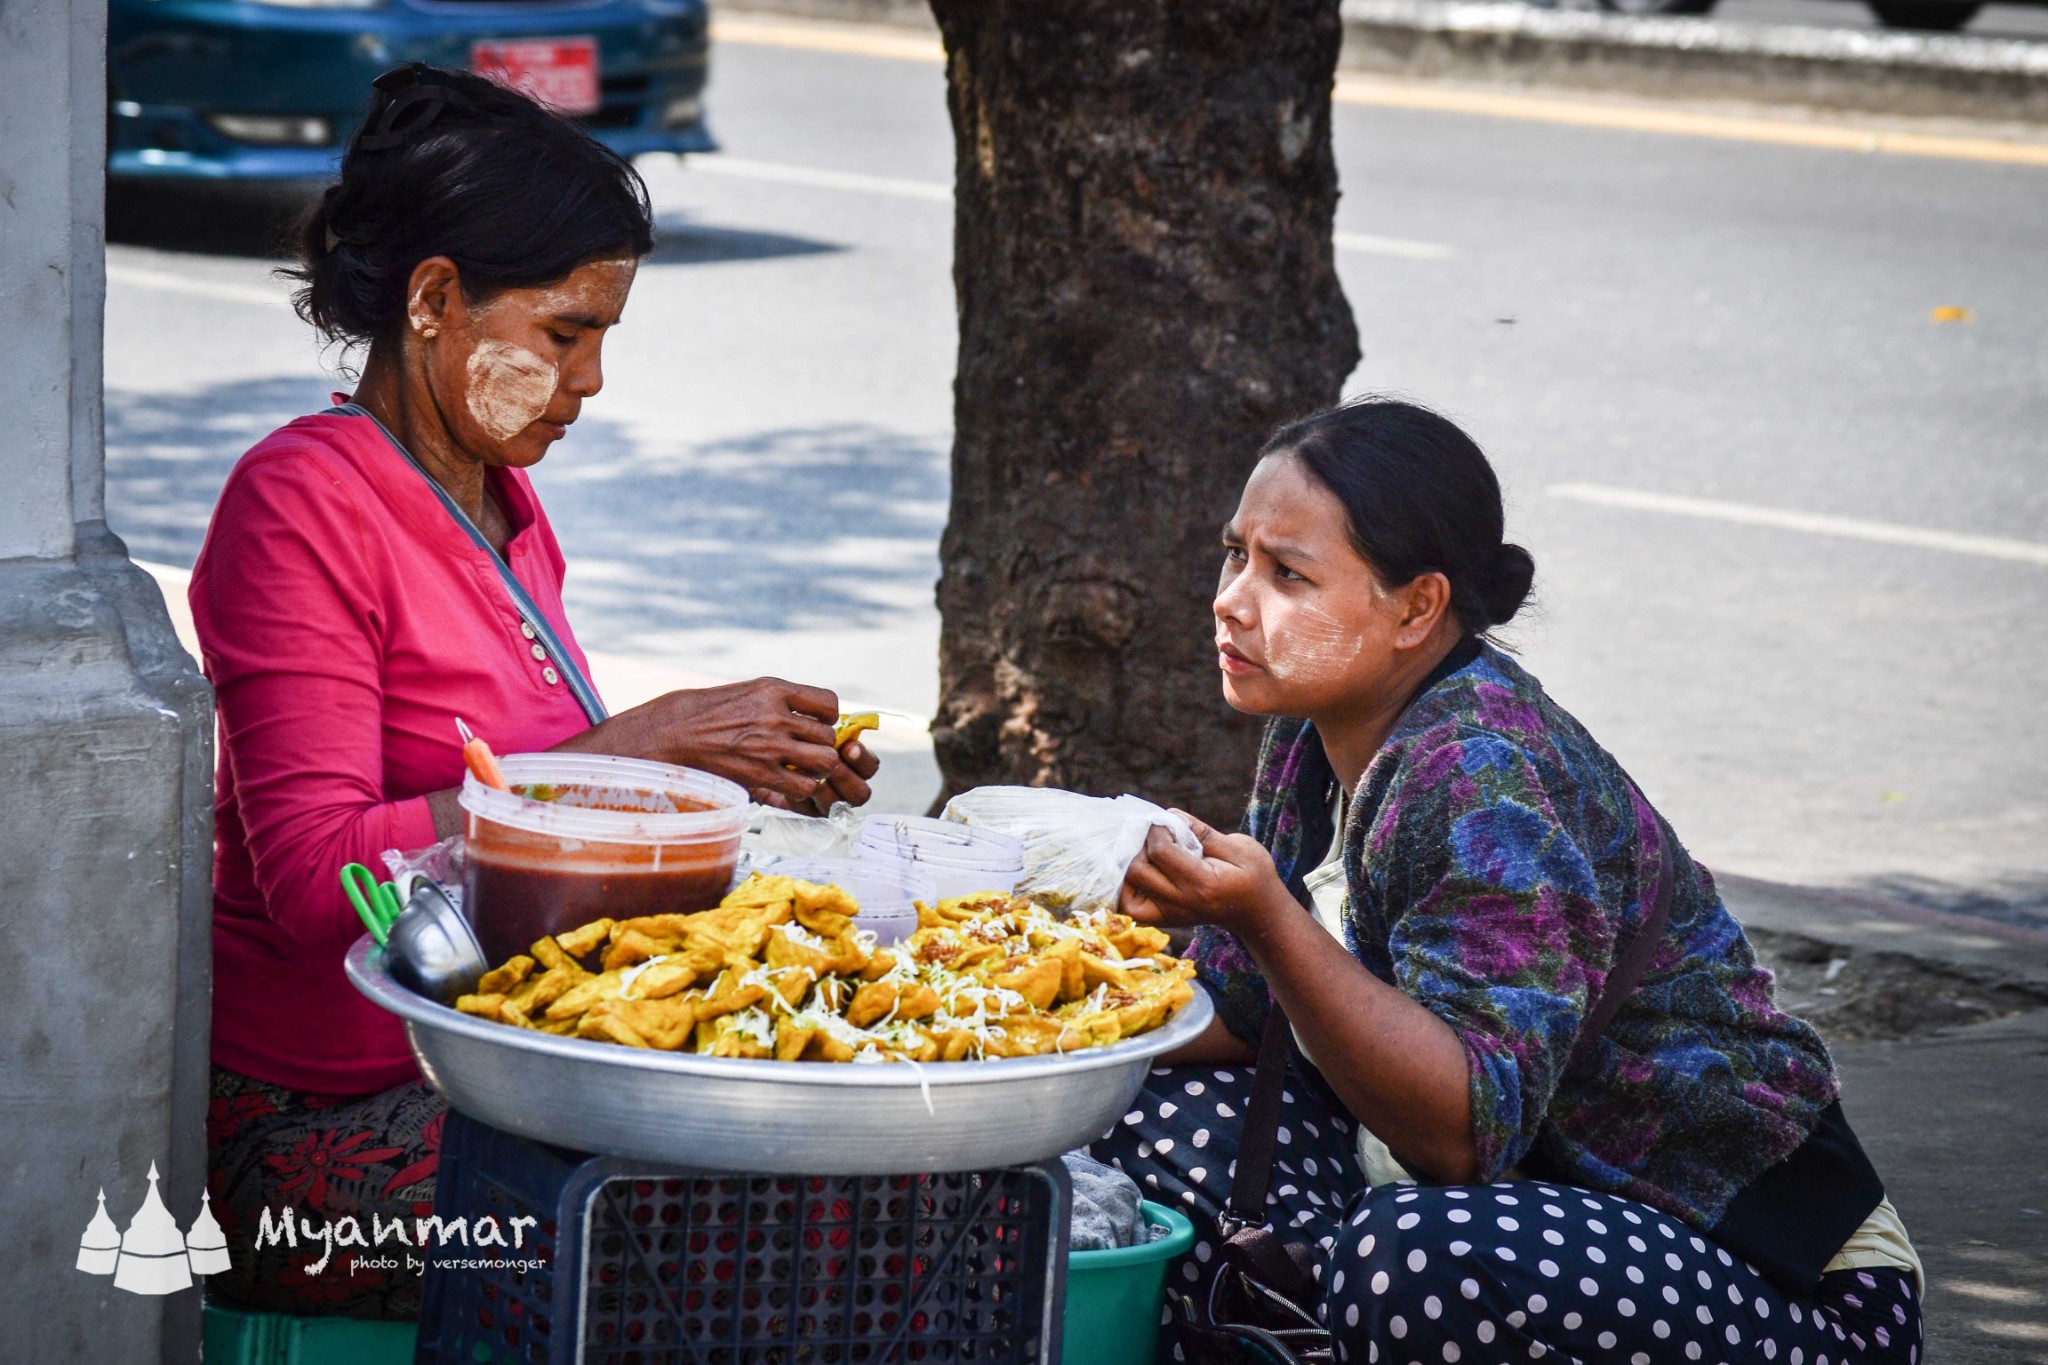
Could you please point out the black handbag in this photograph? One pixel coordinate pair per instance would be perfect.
(1261, 1304)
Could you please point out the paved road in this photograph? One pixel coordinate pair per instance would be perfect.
(1706, 339)
(1993, 21)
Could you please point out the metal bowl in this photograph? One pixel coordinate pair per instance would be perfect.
(432, 949)
(775, 1118)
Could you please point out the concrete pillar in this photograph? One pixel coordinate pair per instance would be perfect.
(105, 762)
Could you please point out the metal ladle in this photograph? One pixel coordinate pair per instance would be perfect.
(433, 950)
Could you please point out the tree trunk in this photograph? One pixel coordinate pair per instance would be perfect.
(1144, 198)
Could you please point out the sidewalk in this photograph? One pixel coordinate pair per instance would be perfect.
(1950, 1106)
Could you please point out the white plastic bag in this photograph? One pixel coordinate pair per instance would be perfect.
(773, 834)
(440, 863)
(1076, 848)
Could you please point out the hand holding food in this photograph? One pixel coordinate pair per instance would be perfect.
(774, 738)
(851, 728)
(1231, 884)
(782, 969)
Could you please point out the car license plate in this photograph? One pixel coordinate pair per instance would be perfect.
(560, 73)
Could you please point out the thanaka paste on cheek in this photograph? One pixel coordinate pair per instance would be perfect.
(509, 388)
(1311, 646)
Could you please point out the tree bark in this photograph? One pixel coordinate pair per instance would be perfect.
(1144, 193)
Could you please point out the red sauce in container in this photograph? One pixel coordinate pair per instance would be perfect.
(607, 837)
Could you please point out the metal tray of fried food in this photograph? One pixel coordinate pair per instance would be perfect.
(768, 1117)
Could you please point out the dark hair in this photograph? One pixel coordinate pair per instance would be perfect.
(1420, 498)
(450, 164)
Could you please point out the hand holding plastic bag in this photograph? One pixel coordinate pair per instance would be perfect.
(1076, 848)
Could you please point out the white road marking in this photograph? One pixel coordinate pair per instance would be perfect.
(1813, 523)
(1393, 246)
(817, 178)
(937, 192)
(142, 277)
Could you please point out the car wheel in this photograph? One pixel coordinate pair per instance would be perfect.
(1656, 6)
(1934, 16)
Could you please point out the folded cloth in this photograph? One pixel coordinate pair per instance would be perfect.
(1105, 1206)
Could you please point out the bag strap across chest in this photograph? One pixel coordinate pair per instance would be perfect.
(1258, 1142)
(522, 602)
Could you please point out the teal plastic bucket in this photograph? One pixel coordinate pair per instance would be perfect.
(1113, 1296)
(237, 1336)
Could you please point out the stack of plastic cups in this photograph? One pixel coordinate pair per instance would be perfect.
(888, 892)
(960, 859)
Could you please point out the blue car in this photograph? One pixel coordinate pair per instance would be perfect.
(238, 90)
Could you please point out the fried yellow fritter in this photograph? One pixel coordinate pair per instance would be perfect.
(781, 969)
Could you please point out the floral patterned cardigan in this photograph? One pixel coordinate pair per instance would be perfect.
(1493, 853)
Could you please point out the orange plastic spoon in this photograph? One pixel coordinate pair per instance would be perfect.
(483, 764)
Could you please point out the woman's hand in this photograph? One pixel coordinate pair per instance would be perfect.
(1232, 884)
(772, 737)
(1392, 1061)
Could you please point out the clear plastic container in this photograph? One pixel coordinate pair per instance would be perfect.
(583, 836)
(888, 891)
(960, 859)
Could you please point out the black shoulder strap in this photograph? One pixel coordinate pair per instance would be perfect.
(522, 602)
(1632, 958)
(1259, 1139)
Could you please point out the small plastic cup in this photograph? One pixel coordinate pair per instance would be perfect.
(960, 859)
(584, 836)
(888, 892)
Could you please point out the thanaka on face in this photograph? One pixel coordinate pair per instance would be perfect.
(1304, 627)
(509, 375)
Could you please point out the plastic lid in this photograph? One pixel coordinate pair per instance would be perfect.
(919, 839)
(628, 782)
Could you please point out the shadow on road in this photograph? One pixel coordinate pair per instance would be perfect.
(782, 529)
(212, 220)
(688, 243)
(261, 221)
(169, 453)
(2019, 898)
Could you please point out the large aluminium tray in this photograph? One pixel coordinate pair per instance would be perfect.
(794, 1118)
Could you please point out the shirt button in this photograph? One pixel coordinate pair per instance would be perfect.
(552, 676)
(539, 652)
(526, 629)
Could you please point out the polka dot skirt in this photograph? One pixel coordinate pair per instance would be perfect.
(1513, 1271)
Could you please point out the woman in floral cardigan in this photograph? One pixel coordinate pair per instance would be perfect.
(1440, 867)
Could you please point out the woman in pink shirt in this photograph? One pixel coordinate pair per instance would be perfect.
(350, 605)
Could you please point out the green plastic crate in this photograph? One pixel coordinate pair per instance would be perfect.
(236, 1336)
(1114, 1296)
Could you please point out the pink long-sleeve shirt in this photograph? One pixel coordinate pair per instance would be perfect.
(345, 621)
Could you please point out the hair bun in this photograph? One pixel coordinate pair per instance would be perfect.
(1507, 585)
(447, 163)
